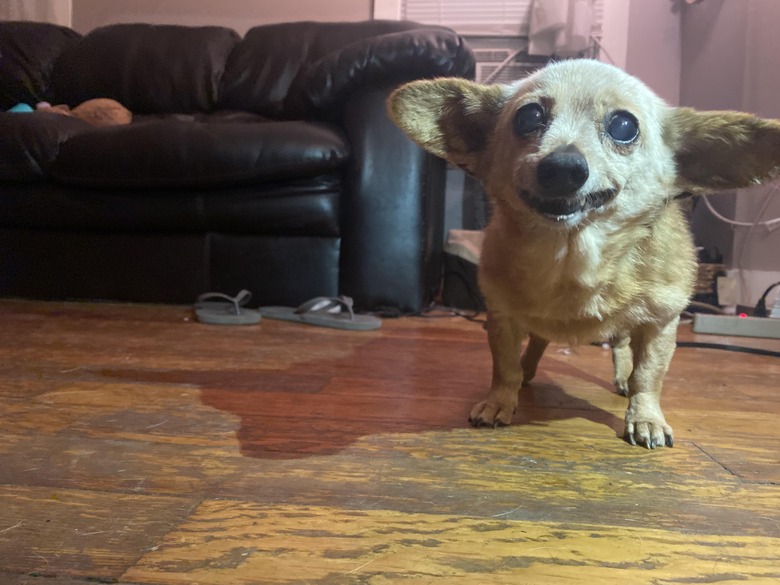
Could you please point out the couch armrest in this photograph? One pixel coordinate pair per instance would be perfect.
(28, 51)
(324, 86)
(392, 211)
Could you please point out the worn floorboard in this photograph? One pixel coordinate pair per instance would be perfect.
(140, 447)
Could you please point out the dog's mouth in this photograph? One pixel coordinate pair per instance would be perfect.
(567, 207)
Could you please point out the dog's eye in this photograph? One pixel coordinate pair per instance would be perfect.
(623, 127)
(529, 119)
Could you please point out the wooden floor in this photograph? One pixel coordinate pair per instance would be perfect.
(138, 446)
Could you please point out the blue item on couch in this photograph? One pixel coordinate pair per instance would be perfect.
(22, 109)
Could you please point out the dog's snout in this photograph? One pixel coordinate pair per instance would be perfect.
(562, 172)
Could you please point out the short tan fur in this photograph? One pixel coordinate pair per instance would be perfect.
(587, 240)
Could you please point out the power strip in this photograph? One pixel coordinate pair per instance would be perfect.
(735, 325)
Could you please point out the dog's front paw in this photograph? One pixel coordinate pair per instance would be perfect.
(645, 422)
(650, 432)
(492, 413)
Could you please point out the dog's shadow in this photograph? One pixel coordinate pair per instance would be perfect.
(434, 396)
(330, 404)
(544, 400)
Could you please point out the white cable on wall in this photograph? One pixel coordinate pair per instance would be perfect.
(770, 223)
(746, 241)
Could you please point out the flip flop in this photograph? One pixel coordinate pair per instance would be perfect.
(227, 310)
(333, 312)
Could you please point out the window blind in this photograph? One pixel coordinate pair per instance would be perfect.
(479, 17)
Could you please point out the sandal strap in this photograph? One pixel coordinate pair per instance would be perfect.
(324, 304)
(238, 301)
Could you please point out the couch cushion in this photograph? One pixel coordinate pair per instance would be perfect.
(175, 153)
(309, 207)
(31, 141)
(27, 54)
(148, 68)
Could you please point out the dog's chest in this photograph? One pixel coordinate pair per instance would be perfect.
(560, 286)
(575, 284)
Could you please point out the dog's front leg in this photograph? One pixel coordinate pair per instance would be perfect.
(504, 337)
(653, 348)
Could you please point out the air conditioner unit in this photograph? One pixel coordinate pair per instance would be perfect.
(503, 60)
(488, 67)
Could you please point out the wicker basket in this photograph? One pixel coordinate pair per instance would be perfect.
(707, 280)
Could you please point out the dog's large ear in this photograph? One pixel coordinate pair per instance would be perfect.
(717, 151)
(450, 117)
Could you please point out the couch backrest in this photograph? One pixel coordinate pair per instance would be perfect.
(28, 51)
(270, 59)
(148, 68)
(289, 70)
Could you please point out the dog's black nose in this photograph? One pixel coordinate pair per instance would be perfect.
(562, 172)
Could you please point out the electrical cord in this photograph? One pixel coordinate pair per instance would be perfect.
(770, 226)
(720, 346)
(760, 309)
(727, 347)
(770, 223)
(706, 307)
(445, 312)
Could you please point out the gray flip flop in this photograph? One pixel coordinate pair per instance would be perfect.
(227, 310)
(333, 312)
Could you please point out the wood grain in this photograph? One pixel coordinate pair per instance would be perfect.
(137, 446)
(238, 542)
(72, 532)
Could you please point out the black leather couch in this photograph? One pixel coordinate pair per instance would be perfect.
(265, 162)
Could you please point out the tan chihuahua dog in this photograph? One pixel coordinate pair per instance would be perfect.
(583, 164)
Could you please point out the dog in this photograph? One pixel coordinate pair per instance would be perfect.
(584, 166)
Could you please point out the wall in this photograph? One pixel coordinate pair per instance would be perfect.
(654, 45)
(729, 62)
(713, 61)
(55, 11)
(716, 54)
(643, 37)
(614, 32)
(759, 249)
(237, 14)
